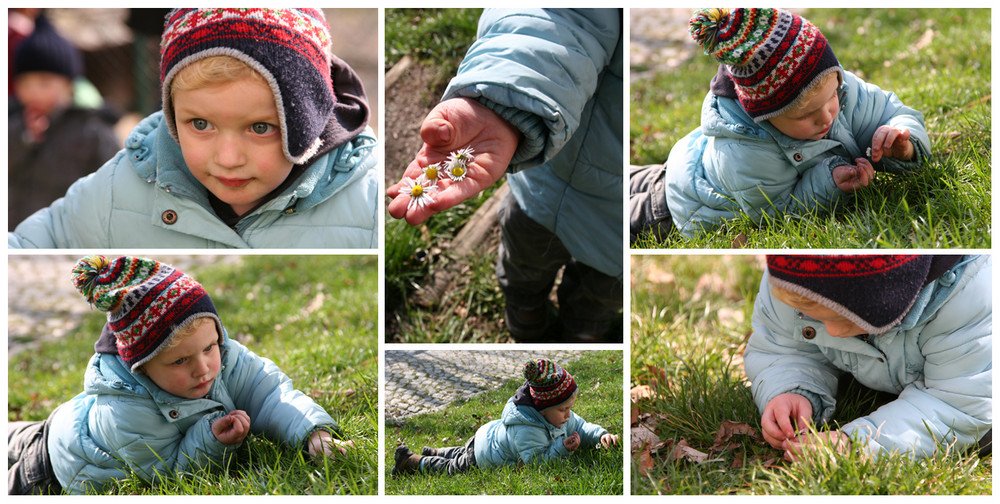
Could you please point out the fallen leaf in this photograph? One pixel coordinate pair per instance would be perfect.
(659, 374)
(727, 430)
(641, 392)
(740, 241)
(645, 461)
(925, 40)
(635, 414)
(642, 436)
(682, 450)
(656, 275)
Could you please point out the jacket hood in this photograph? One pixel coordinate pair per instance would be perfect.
(514, 414)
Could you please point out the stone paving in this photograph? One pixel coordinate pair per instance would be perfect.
(42, 303)
(422, 381)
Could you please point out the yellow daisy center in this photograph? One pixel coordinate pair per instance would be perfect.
(432, 173)
(458, 171)
(417, 190)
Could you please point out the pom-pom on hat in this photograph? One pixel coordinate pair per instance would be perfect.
(771, 55)
(146, 302)
(548, 383)
(873, 291)
(45, 50)
(290, 48)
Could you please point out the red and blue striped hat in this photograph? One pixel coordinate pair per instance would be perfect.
(548, 383)
(146, 302)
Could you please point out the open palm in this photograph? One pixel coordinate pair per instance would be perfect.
(456, 124)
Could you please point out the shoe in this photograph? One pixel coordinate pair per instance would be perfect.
(407, 462)
(427, 451)
(530, 324)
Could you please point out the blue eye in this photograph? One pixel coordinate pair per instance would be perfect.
(199, 124)
(178, 362)
(262, 128)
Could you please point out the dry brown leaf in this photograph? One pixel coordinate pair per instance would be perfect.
(635, 414)
(925, 40)
(682, 450)
(641, 392)
(643, 436)
(656, 275)
(727, 430)
(645, 461)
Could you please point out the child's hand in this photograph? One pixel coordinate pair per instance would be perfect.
(572, 442)
(851, 178)
(609, 440)
(783, 417)
(452, 125)
(232, 428)
(890, 141)
(835, 439)
(323, 444)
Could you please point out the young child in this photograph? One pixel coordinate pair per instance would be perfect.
(262, 142)
(784, 128)
(917, 326)
(166, 392)
(537, 423)
(56, 132)
(556, 130)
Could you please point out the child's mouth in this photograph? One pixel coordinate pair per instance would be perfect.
(229, 182)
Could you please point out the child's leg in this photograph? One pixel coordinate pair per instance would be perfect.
(461, 459)
(590, 304)
(648, 211)
(528, 260)
(29, 470)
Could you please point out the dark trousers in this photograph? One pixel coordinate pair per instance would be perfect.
(455, 459)
(29, 470)
(648, 212)
(528, 260)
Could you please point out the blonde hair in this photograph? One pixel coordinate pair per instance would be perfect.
(213, 70)
(810, 93)
(794, 299)
(185, 330)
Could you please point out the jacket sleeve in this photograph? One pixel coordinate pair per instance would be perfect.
(537, 69)
(276, 409)
(153, 447)
(870, 107)
(764, 182)
(776, 362)
(590, 434)
(533, 442)
(80, 219)
(953, 402)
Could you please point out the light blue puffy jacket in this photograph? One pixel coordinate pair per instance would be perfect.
(556, 75)
(523, 434)
(732, 164)
(124, 421)
(939, 359)
(145, 197)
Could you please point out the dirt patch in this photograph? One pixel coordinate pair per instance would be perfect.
(408, 100)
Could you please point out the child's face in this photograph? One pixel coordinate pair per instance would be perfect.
(44, 92)
(814, 119)
(558, 415)
(231, 140)
(188, 369)
(837, 325)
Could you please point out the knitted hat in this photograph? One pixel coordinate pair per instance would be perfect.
(549, 384)
(146, 301)
(47, 51)
(873, 291)
(771, 55)
(290, 48)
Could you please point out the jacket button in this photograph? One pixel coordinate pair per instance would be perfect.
(174, 414)
(169, 217)
(798, 157)
(808, 332)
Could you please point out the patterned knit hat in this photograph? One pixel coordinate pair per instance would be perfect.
(771, 55)
(873, 291)
(290, 48)
(47, 51)
(548, 383)
(146, 301)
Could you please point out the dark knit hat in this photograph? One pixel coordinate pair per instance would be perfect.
(146, 302)
(771, 55)
(548, 383)
(47, 51)
(873, 291)
(290, 48)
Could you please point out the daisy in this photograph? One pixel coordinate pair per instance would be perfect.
(456, 170)
(457, 164)
(431, 172)
(419, 191)
(463, 155)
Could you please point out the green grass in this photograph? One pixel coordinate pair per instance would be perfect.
(436, 36)
(314, 316)
(947, 205)
(690, 320)
(598, 375)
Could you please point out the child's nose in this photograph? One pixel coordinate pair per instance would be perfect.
(229, 153)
